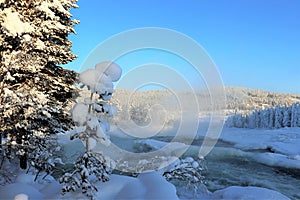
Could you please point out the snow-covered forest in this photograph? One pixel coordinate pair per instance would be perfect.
(274, 117)
(65, 135)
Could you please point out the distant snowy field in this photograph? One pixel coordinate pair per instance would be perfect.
(274, 148)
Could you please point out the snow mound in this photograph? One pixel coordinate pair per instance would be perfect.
(249, 193)
(150, 185)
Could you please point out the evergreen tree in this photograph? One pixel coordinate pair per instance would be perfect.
(265, 118)
(286, 116)
(230, 121)
(90, 119)
(239, 121)
(298, 116)
(278, 117)
(257, 118)
(34, 91)
(268, 118)
(252, 121)
(294, 117)
(271, 118)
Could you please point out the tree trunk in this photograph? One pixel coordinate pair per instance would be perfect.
(23, 161)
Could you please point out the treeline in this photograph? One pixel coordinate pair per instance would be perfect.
(274, 117)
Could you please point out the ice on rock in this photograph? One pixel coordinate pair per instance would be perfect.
(110, 69)
(79, 113)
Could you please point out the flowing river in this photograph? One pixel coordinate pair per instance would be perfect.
(229, 170)
(227, 166)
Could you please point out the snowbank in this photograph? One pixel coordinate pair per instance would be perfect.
(278, 148)
(149, 185)
(247, 193)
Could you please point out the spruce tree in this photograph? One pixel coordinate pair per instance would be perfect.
(294, 117)
(272, 118)
(278, 117)
(34, 90)
(286, 116)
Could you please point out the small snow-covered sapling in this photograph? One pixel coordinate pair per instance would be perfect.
(91, 127)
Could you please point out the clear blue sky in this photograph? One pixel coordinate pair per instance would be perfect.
(255, 43)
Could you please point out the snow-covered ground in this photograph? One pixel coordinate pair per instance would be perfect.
(149, 185)
(274, 148)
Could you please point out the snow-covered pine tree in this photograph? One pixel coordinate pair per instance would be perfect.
(239, 121)
(34, 91)
(298, 115)
(272, 117)
(286, 116)
(294, 113)
(246, 124)
(257, 118)
(265, 117)
(252, 120)
(278, 117)
(230, 121)
(91, 127)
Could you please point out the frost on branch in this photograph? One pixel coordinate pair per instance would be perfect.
(91, 126)
(42, 154)
(89, 168)
(187, 170)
